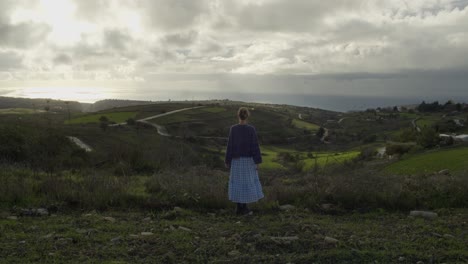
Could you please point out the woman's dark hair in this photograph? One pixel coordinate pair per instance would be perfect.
(243, 113)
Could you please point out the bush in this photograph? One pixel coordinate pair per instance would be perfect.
(398, 149)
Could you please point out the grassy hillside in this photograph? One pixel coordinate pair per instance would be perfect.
(19, 111)
(455, 160)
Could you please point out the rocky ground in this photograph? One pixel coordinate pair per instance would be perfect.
(184, 236)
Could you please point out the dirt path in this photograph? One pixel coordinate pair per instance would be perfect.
(161, 129)
(80, 143)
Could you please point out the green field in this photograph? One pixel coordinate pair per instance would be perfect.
(271, 159)
(305, 125)
(455, 160)
(19, 111)
(324, 159)
(117, 117)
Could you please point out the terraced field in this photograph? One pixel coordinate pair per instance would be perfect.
(117, 117)
(305, 125)
(19, 111)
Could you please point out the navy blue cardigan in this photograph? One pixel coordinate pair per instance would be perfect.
(243, 142)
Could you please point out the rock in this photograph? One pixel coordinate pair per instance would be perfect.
(401, 259)
(134, 236)
(42, 212)
(146, 233)
(147, 219)
(110, 219)
(284, 240)
(81, 231)
(185, 229)
(234, 253)
(287, 207)
(330, 240)
(12, 217)
(116, 239)
(448, 236)
(419, 262)
(444, 172)
(48, 236)
(424, 214)
(436, 234)
(34, 212)
(178, 209)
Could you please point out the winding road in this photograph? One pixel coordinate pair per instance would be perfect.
(161, 129)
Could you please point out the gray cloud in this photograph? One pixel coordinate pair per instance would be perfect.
(181, 39)
(62, 59)
(10, 61)
(172, 14)
(324, 42)
(22, 35)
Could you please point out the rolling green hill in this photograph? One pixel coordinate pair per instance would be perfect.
(456, 160)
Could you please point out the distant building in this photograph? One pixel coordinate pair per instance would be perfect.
(461, 138)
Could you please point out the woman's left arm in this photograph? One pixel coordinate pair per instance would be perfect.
(257, 155)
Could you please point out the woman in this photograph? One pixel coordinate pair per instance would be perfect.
(242, 158)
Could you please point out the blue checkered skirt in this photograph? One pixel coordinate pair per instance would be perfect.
(244, 185)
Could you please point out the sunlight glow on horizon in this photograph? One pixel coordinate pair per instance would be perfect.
(80, 94)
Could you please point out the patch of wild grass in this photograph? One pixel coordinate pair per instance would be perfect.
(196, 187)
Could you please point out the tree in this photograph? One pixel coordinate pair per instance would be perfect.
(428, 138)
(131, 122)
(320, 132)
(104, 122)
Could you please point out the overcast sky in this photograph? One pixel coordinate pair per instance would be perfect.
(339, 47)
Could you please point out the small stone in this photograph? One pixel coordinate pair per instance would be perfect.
(185, 229)
(81, 231)
(234, 253)
(116, 239)
(448, 236)
(110, 219)
(22, 242)
(444, 172)
(134, 236)
(330, 240)
(284, 240)
(51, 254)
(419, 262)
(424, 214)
(48, 236)
(146, 233)
(178, 209)
(12, 218)
(287, 207)
(42, 212)
(401, 259)
(147, 219)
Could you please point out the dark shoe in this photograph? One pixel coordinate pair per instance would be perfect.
(239, 209)
(246, 210)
